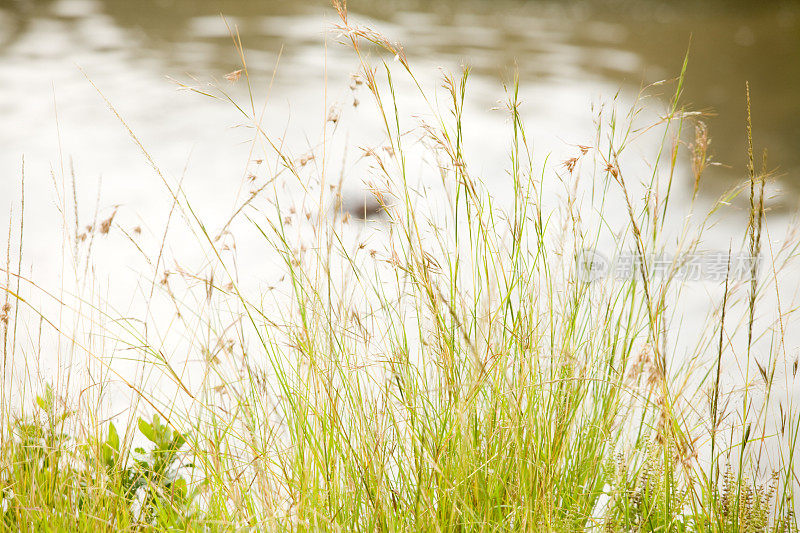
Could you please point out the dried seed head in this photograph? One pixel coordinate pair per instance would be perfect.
(570, 163)
(355, 82)
(105, 225)
(234, 76)
(333, 115)
(700, 159)
(210, 285)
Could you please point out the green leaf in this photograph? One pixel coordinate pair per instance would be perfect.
(113, 437)
(147, 430)
(47, 402)
(179, 488)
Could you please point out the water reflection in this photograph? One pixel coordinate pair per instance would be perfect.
(563, 45)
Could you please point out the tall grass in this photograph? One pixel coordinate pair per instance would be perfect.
(447, 365)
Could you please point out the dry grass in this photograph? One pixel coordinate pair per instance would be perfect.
(444, 367)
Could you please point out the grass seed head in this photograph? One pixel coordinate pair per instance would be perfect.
(234, 76)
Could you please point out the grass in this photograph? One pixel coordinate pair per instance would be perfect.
(444, 366)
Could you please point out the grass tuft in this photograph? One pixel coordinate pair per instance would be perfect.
(447, 365)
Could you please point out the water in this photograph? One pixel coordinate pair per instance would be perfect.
(573, 52)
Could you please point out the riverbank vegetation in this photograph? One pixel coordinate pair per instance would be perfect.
(441, 362)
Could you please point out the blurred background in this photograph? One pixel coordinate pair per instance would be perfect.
(569, 54)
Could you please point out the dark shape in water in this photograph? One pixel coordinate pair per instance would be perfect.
(364, 206)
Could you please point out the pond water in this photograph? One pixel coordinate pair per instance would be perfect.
(573, 52)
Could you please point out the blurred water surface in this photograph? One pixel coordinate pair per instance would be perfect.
(128, 48)
(576, 50)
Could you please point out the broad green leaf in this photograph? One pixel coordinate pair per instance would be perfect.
(147, 430)
(113, 437)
